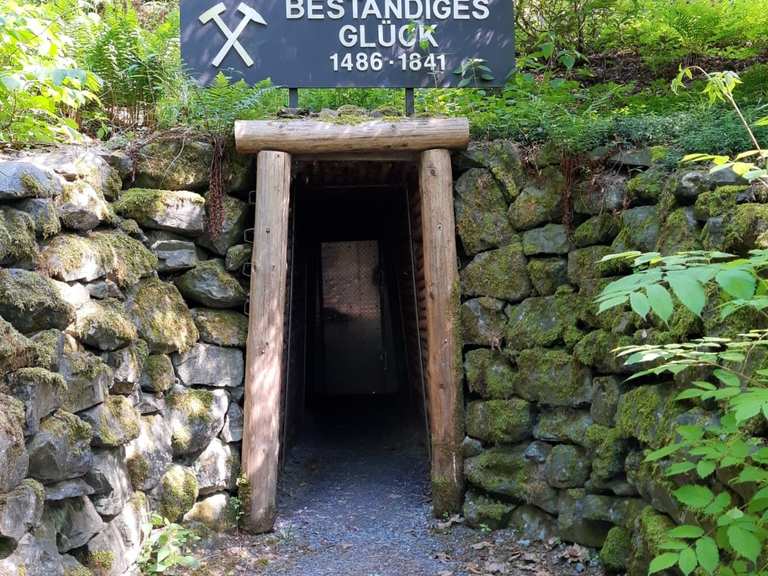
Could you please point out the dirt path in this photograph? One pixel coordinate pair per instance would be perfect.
(354, 502)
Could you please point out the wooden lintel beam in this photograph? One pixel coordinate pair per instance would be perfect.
(316, 137)
(264, 350)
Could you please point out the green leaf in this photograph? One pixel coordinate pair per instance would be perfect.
(640, 304)
(727, 378)
(738, 283)
(687, 561)
(663, 452)
(686, 531)
(743, 542)
(694, 496)
(704, 468)
(660, 300)
(707, 554)
(663, 562)
(689, 291)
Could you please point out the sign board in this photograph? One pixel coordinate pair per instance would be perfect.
(349, 43)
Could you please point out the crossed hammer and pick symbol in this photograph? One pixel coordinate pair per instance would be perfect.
(249, 15)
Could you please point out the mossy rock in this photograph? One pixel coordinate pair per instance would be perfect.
(482, 322)
(177, 163)
(567, 466)
(100, 254)
(31, 302)
(648, 186)
(221, 327)
(563, 425)
(746, 228)
(650, 532)
(616, 549)
(500, 421)
(547, 274)
(606, 192)
(481, 212)
(81, 207)
(502, 158)
(234, 218)
(41, 391)
(587, 518)
(88, 380)
(554, 378)
(608, 449)
(539, 203)
(500, 273)
(584, 264)
(158, 375)
(679, 233)
(196, 417)
(178, 492)
(532, 523)
(535, 322)
(114, 423)
(641, 413)
(104, 325)
(17, 238)
(42, 211)
(177, 211)
(61, 449)
(23, 179)
(16, 350)
(210, 285)
(15, 461)
(161, 316)
(717, 202)
(547, 240)
(640, 228)
(237, 256)
(127, 364)
(599, 229)
(508, 473)
(489, 374)
(480, 511)
(596, 349)
(605, 399)
(215, 512)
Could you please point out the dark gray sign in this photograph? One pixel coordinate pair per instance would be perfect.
(364, 43)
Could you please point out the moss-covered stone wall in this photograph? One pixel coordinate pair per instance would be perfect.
(555, 434)
(121, 353)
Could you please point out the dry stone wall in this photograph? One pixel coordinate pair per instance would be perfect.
(121, 353)
(555, 434)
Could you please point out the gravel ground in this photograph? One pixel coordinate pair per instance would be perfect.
(354, 501)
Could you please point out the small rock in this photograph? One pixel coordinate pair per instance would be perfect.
(208, 365)
(237, 256)
(41, 391)
(158, 375)
(550, 239)
(114, 423)
(61, 449)
(235, 213)
(211, 285)
(110, 479)
(21, 509)
(127, 365)
(221, 327)
(81, 207)
(67, 489)
(177, 492)
(175, 164)
(31, 303)
(33, 555)
(43, 214)
(88, 380)
(149, 455)
(104, 325)
(21, 179)
(176, 211)
(483, 321)
(173, 252)
(233, 424)
(217, 468)
(214, 511)
(196, 417)
(75, 522)
(497, 273)
(14, 458)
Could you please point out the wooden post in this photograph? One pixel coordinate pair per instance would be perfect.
(263, 375)
(442, 282)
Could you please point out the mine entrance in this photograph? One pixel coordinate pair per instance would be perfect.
(354, 350)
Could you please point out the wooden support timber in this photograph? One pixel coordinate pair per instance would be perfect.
(315, 137)
(444, 388)
(264, 352)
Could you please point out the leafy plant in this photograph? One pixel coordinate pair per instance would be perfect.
(719, 464)
(166, 546)
(473, 72)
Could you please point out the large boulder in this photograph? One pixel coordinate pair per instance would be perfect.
(118, 546)
(76, 163)
(174, 164)
(174, 253)
(150, 454)
(554, 378)
(44, 217)
(497, 273)
(209, 284)
(41, 391)
(481, 212)
(14, 458)
(30, 302)
(22, 179)
(33, 555)
(196, 418)
(179, 211)
(679, 233)
(161, 316)
(61, 449)
(490, 374)
(217, 468)
(221, 327)
(536, 322)
(208, 365)
(234, 214)
(502, 158)
(508, 473)
(640, 229)
(110, 480)
(177, 492)
(21, 509)
(500, 421)
(110, 254)
(482, 322)
(75, 521)
(104, 325)
(17, 239)
(549, 239)
(88, 380)
(114, 422)
(81, 207)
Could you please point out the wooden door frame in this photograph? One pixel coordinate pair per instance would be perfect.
(275, 142)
